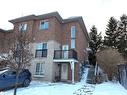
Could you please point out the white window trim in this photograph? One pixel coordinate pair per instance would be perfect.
(41, 22)
(42, 44)
(73, 46)
(73, 38)
(20, 26)
(40, 75)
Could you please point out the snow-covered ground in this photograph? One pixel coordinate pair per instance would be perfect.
(37, 88)
(109, 88)
(81, 88)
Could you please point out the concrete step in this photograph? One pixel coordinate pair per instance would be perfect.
(91, 76)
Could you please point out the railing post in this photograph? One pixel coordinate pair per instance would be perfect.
(54, 55)
(72, 69)
(61, 54)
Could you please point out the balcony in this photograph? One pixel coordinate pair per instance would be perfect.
(65, 54)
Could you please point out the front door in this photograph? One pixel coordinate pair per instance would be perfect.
(65, 51)
(64, 71)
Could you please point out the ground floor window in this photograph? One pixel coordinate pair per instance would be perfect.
(39, 69)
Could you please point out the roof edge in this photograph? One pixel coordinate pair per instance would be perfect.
(35, 17)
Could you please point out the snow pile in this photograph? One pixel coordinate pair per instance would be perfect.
(1, 72)
(84, 77)
(86, 89)
(109, 88)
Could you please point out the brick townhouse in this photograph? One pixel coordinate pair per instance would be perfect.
(59, 45)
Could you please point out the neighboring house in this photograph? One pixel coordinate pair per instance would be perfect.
(59, 45)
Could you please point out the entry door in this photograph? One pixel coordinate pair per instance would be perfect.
(65, 49)
(64, 71)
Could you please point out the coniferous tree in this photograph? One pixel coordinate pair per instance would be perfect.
(94, 44)
(122, 39)
(111, 33)
(95, 39)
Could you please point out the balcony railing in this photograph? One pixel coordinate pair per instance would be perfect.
(65, 54)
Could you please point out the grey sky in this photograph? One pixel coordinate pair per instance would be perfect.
(94, 12)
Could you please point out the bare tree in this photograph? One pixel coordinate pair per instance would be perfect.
(19, 54)
(108, 59)
(3, 64)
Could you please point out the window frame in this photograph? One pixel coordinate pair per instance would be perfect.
(43, 50)
(23, 26)
(41, 69)
(73, 31)
(73, 36)
(44, 25)
(72, 43)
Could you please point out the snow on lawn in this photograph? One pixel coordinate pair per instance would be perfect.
(109, 88)
(43, 88)
(37, 88)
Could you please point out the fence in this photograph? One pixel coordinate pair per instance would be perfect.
(122, 69)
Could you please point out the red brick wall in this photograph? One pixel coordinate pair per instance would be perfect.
(69, 72)
(81, 44)
(76, 75)
(44, 35)
(2, 36)
(52, 33)
(76, 71)
(81, 41)
(58, 31)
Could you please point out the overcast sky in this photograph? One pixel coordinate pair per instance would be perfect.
(94, 12)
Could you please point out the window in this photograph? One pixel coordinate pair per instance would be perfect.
(73, 31)
(44, 25)
(73, 34)
(72, 43)
(23, 27)
(41, 50)
(39, 69)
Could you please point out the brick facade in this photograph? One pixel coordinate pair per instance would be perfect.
(58, 34)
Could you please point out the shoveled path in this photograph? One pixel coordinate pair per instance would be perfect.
(87, 89)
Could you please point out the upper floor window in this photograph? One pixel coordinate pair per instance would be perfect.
(73, 31)
(23, 27)
(73, 34)
(44, 25)
(72, 43)
(41, 50)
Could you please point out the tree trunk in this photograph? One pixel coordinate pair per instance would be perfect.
(16, 83)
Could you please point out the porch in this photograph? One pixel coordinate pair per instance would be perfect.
(66, 59)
